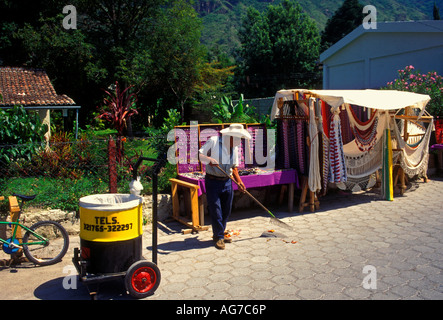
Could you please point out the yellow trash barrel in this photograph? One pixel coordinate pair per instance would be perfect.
(111, 229)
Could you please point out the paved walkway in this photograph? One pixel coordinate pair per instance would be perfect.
(354, 247)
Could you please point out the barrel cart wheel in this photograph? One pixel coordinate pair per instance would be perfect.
(142, 279)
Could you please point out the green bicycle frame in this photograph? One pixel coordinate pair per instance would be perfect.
(42, 240)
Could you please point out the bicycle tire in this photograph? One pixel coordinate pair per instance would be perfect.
(51, 252)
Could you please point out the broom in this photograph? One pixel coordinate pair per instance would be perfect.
(274, 220)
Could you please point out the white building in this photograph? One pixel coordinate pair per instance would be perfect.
(369, 58)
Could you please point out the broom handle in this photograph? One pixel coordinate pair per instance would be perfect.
(246, 191)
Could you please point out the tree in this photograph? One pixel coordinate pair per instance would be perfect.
(436, 12)
(14, 14)
(52, 48)
(213, 77)
(117, 28)
(213, 83)
(153, 46)
(348, 17)
(32, 34)
(280, 48)
(178, 54)
(208, 6)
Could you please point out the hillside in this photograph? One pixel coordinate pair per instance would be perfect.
(222, 18)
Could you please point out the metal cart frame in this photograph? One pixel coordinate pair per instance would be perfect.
(143, 277)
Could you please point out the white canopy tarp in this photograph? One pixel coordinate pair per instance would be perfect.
(374, 99)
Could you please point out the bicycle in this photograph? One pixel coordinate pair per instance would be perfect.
(41, 242)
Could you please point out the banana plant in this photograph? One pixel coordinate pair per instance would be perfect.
(227, 111)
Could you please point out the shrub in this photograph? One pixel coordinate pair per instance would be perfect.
(20, 134)
(431, 83)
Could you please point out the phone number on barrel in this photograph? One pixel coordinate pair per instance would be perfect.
(111, 228)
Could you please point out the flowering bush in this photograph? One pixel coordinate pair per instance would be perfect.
(431, 83)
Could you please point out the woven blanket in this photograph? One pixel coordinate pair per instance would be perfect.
(337, 172)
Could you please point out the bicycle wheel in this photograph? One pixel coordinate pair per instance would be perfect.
(51, 249)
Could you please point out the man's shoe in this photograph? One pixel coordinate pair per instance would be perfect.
(220, 244)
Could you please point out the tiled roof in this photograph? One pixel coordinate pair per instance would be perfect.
(29, 87)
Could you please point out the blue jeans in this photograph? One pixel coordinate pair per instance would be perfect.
(219, 195)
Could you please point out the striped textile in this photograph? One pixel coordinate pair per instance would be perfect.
(337, 171)
(285, 143)
(300, 146)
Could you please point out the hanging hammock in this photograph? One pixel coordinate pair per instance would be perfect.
(365, 133)
(413, 159)
(362, 163)
(363, 160)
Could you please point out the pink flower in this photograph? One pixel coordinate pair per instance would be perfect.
(411, 67)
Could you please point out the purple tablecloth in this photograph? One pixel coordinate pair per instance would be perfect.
(253, 180)
(436, 147)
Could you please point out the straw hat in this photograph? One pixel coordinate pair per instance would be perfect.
(236, 130)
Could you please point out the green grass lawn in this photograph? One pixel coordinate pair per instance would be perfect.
(55, 192)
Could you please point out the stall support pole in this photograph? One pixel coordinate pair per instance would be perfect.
(154, 218)
(159, 163)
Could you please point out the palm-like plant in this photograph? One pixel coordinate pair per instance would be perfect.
(118, 107)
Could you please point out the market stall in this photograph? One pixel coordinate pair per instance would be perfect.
(349, 153)
(255, 167)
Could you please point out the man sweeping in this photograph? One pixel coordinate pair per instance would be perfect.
(222, 151)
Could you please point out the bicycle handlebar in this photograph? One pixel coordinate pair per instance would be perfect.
(24, 198)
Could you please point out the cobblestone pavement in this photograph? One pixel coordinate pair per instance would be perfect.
(355, 247)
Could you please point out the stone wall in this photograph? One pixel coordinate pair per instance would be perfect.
(71, 222)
